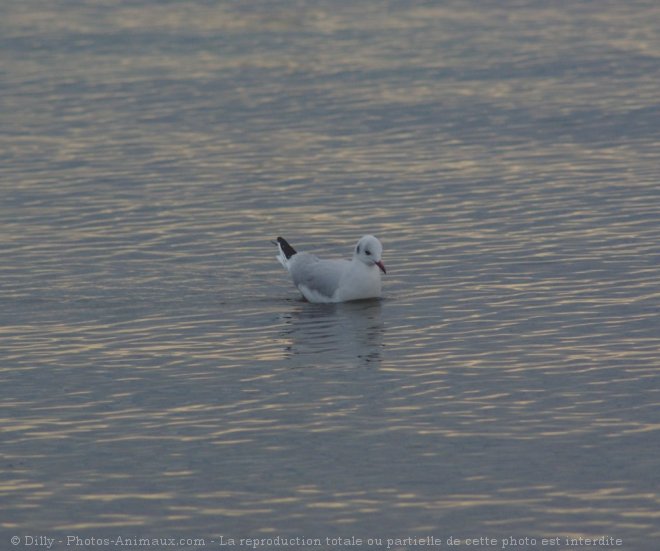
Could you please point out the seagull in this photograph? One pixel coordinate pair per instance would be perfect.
(335, 280)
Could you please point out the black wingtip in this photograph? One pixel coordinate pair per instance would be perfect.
(287, 249)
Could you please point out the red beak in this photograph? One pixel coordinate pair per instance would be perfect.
(381, 266)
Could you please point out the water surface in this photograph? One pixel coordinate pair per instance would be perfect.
(161, 376)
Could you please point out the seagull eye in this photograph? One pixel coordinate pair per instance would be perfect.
(368, 253)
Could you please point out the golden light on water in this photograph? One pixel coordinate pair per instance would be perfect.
(161, 371)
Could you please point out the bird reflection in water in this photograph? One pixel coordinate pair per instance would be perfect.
(335, 334)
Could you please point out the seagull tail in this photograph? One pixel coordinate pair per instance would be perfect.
(285, 253)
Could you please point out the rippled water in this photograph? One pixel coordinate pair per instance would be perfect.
(160, 374)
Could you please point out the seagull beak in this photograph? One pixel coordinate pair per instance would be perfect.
(381, 266)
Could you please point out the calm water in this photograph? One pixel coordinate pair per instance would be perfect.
(161, 376)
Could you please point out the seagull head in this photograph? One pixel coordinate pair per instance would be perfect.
(369, 251)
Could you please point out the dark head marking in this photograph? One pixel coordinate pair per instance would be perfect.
(287, 249)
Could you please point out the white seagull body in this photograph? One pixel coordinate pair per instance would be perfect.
(335, 280)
